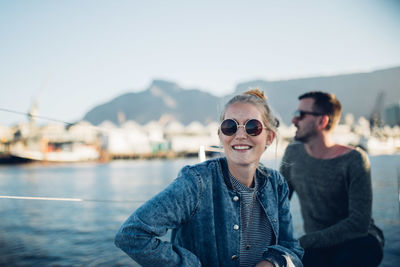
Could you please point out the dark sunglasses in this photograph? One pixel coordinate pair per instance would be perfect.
(252, 127)
(300, 114)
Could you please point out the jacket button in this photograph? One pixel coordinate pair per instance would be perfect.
(235, 198)
(236, 227)
(235, 257)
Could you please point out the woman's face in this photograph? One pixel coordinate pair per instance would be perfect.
(241, 149)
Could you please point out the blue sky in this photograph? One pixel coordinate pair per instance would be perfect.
(73, 55)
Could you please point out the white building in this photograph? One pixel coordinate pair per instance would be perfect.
(130, 139)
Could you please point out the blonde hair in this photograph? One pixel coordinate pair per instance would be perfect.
(257, 98)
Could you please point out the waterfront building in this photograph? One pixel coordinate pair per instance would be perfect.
(189, 139)
(156, 135)
(84, 131)
(127, 141)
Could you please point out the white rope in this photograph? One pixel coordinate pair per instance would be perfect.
(70, 199)
(44, 198)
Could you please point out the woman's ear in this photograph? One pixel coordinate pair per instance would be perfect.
(270, 137)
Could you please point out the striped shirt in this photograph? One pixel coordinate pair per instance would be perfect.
(258, 233)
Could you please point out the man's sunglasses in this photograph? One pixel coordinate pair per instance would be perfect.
(300, 114)
(252, 127)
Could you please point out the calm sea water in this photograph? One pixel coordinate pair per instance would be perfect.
(66, 233)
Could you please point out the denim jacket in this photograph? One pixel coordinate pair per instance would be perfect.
(200, 208)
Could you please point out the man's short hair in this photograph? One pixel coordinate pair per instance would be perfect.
(326, 104)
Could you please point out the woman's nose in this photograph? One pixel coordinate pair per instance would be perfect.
(241, 131)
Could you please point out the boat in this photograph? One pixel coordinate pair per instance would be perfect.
(55, 152)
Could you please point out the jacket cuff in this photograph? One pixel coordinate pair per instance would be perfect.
(275, 257)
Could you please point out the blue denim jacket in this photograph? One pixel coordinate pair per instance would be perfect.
(199, 208)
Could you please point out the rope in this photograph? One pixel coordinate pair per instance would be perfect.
(35, 116)
(70, 199)
(100, 129)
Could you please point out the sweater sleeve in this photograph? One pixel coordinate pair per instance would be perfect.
(357, 222)
(285, 170)
(139, 235)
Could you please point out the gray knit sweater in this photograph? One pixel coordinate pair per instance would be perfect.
(335, 195)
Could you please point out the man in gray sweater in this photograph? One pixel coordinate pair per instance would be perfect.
(333, 183)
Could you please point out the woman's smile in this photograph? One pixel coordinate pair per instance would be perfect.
(241, 147)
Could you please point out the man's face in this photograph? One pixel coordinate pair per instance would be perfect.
(307, 124)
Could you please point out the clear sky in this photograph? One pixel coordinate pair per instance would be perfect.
(71, 55)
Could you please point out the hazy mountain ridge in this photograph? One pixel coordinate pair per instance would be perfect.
(357, 92)
(161, 98)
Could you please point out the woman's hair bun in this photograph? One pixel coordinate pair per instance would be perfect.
(256, 92)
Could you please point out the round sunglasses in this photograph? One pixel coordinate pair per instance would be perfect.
(252, 127)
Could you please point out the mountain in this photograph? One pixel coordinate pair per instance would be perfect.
(161, 98)
(359, 93)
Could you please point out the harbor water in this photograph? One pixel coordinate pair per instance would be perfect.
(73, 211)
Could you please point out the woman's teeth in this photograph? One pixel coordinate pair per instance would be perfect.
(241, 147)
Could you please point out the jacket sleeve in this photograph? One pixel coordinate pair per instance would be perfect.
(357, 222)
(288, 249)
(139, 235)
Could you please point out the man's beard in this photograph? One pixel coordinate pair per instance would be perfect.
(305, 137)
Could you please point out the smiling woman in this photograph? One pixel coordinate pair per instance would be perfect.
(225, 211)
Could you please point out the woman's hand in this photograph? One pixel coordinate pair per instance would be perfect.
(264, 264)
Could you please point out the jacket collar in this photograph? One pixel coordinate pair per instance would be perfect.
(262, 174)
